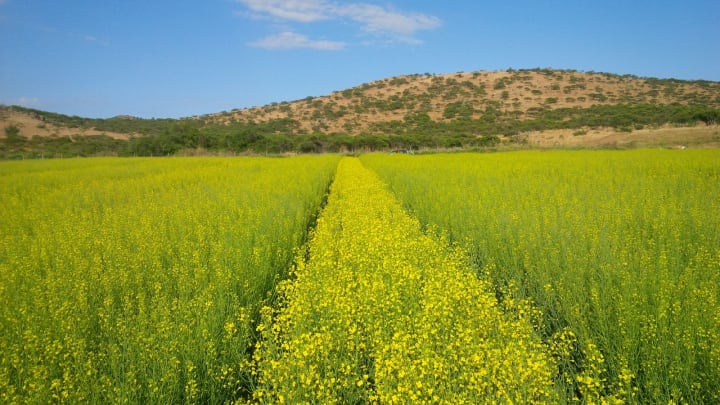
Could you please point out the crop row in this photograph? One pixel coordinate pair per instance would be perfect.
(621, 249)
(137, 281)
(379, 311)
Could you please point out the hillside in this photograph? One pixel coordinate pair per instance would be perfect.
(522, 94)
(29, 124)
(533, 108)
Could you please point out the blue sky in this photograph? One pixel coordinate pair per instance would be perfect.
(161, 58)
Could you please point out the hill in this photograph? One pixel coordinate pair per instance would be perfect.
(520, 94)
(537, 107)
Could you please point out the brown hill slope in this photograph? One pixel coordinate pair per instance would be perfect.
(29, 125)
(521, 93)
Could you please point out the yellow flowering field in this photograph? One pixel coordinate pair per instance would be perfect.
(137, 280)
(381, 312)
(523, 277)
(619, 250)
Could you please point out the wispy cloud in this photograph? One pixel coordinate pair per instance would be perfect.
(292, 10)
(373, 19)
(292, 40)
(378, 19)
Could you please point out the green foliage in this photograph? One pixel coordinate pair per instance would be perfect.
(65, 146)
(494, 122)
(398, 81)
(12, 131)
(458, 109)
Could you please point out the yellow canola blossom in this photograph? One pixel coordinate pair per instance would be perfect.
(139, 280)
(620, 250)
(382, 312)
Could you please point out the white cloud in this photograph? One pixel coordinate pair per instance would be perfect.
(378, 19)
(293, 10)
(373, 19)
(292, 40)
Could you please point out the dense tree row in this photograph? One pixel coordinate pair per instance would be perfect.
(174, 142)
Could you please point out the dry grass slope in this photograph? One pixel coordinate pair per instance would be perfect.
(445, 97)
(32, 125)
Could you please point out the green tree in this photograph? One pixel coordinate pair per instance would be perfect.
(12, 131)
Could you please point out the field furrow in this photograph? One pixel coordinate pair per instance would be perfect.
(382, 312)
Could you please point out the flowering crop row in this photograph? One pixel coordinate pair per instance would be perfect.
(383, 312)
(620, 249)
(136, 281)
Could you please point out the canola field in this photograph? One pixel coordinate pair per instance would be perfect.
(523, 277)
(137, 280)
(619, 250)
(383, 313)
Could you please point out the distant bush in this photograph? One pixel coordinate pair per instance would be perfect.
(458, 109)
(12, 131)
